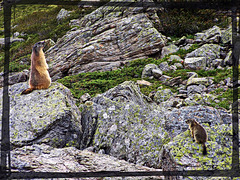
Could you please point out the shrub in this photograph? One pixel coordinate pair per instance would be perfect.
(179, 22)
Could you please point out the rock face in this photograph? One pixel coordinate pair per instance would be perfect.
(16, 78)
(209, 51)
(106, 38)
(43, 116)
(44, 158)
(127, 127)
(186, 154)
(195, 63)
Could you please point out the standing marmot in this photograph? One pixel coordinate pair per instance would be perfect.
(198, 133)
(39, 76)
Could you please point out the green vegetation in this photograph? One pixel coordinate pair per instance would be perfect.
(35, 23)
(99, 82)
(179, 22)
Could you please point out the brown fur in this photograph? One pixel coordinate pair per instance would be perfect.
(39, 75)
(198, 133)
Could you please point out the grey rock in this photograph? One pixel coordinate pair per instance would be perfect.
(178, 65)
(187, 47)
(204, 81)
(164, 66)
(157, 73)
(217, 62)
(199, 99)
(148, 71)
(175, 119)
(48, 44)
(228, 59)
(181, 41)
(85, 97)
(16, 77)
(44, 158)
(226, 36)
(162, 95)
(174, 81)
(171, 103)
(63, 14)
(228, 82)
(211, 35)
(195, 63)
(195, 89)
(209, 51)
(174, 58)
(192, 74)
(164, 78)
(106, 39)
(127, 125)
(168, 50)
(173, 68)
(44, 116)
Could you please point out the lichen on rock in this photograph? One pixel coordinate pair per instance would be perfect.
(44, 116)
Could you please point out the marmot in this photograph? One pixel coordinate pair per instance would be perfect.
(198, 133)
(39, 75)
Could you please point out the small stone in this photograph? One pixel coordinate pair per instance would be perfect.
(157, 73)
(144, 83)
(203, 81)
(63, 14)
(85, 97)
(168, 50)
(217, 62)
(148, 70)
(162, 95)
(175, 58)
(195, 63)
(164, 66)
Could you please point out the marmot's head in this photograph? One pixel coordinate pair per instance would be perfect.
(190, 121)
(38, 46)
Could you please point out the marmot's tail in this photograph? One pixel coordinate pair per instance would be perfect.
(204, 149)
(27, 91)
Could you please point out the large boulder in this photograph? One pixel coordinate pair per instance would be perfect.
(127, 125)
(211, 35)
(175, 119)
(44, 116)
(209, 51)
(184, 154)
(106, 39)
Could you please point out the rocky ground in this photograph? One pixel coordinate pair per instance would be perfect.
(124, 129)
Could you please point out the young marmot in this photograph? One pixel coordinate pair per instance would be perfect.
(198, 133)
(39, 75)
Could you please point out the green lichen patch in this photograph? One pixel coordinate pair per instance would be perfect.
(128, 128)
(188, 154)
(43, 116)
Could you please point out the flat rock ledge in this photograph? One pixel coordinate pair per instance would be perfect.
(44, 158)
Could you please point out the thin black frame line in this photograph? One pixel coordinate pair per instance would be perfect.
(5, 166)
(205, 173)
(235, 168)
(222, 5)
(235, 67)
